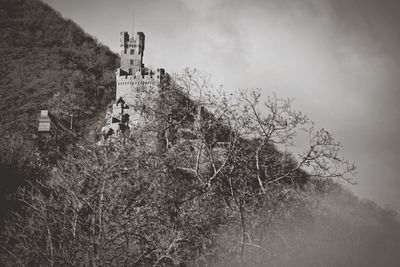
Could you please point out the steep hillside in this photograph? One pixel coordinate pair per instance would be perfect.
(123, 206)
(49, 62)
(219, 193)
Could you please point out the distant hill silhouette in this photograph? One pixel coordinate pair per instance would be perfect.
(48, 62)
(139, 208)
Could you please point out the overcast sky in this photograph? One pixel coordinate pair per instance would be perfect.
(339, 60)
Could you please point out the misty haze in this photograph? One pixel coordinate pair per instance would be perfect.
(199, 133)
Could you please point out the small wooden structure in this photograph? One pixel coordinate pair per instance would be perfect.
(44, 122)
(49, 124)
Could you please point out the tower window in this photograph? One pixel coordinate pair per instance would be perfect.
(132, 51)
(131, 61)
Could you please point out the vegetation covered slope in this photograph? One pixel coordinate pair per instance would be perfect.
(220, 194)
(123, 206)
(48, 62)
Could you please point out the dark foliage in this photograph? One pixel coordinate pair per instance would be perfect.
(48, 62)
(212, 196)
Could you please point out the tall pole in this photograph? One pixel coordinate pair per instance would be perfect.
(133, 22)
(71, 121)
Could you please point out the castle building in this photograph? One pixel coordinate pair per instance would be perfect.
(131, 77)
(136, 87)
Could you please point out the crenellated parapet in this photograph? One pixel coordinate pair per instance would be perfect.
(127, 84)
(131, 77)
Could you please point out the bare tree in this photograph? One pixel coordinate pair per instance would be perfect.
(224, 158)
(243, 142)
(219, 123)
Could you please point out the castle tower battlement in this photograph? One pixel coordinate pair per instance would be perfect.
(132, 72)
(127, 83)
(131, 76)
(131, 52)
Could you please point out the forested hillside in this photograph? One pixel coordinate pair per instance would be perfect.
(123, 206)
(224, 189)
(48, 62)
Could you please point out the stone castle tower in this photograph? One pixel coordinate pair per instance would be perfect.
(138, 91)
(130, 76)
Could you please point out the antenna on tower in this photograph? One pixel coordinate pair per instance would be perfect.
(133, 22)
